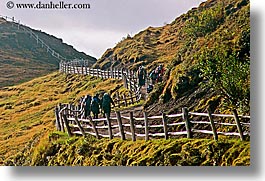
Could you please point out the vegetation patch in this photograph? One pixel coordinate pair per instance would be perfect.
(88, 151)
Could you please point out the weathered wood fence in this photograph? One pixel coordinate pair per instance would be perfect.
(127, 126)
(129, 77)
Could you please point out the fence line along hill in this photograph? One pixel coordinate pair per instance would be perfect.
(65, 115)
(70, 118)
(30, 53)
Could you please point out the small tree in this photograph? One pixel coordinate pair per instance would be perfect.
(229, 75)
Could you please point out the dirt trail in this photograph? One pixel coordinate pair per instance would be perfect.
(137, 110)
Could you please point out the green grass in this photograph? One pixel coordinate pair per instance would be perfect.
(76, 151)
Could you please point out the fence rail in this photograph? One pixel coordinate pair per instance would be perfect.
(126, 126)
(129, 126)
(129, 77)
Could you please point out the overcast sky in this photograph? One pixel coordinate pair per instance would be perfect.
(104, 24)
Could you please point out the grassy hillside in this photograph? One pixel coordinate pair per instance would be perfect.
(27, 110)
(197, 48)
(206, 55)
(28, 136)
(22, 59)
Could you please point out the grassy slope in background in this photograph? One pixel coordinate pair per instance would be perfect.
(22, 59)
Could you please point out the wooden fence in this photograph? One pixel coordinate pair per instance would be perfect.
(69, 117)
(122, 125)
(81, 67)
(127, 126)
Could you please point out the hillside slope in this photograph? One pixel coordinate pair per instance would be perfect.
(22, 59)
(28, 137)
(27, 110)
(215, 33)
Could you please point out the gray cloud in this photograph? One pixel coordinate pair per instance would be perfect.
(99, 28)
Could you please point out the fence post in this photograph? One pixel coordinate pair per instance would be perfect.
(120, 125)
(125, 101)
(77, 68)
(82, 70)
(67, 68)
(62, 122)
(118, 99)
(72, 70)
(215, 135)
(146, 126)
(60, 67)
(125, 82)
(114, 73)
(93, 72)
(187, 122)
(239, 127)
(122, 70)
(165, 125)
(97, 72)
(64, 68)
(117, 73)
(130, 93)
(130, 84)
(111, 72)
(132, 126)
(87, 71)
(94, 127)
(109, 126)
(107, 74)
(69, 107)
(58, 125)
(61, 117)
(67, 125)
(101, 74)
(79, 126)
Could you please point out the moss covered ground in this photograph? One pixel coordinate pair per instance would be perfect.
(59, 150)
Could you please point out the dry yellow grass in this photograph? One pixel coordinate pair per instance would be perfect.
(27, 110)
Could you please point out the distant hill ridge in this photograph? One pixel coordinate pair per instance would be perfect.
(22, 58)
